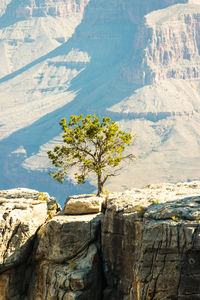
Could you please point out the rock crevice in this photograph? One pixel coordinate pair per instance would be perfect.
(145, 246)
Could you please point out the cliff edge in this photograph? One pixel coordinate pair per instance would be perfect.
(144, 246)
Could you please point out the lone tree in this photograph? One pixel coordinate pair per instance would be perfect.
(90, 146)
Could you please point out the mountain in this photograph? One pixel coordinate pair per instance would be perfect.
(136, 62)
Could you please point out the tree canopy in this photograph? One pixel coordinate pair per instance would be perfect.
(90, 146)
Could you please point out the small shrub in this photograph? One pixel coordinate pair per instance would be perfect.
(55, 207)
(157, 201)
(42, 197)
(50, 214)
(175, 219)
(140, 210)
(180, 202)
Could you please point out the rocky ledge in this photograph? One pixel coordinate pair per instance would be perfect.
(146, 245)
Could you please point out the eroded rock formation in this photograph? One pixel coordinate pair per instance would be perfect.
(146, 246)
(32, 8)
(22, 212)
(67, 261)
(150, 242)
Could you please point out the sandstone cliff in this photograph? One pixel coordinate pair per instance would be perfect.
(145, 246)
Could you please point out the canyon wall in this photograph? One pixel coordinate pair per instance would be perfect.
(34, 8)
(145, 245)
(169, 46)
(137, 62)
(174, 48)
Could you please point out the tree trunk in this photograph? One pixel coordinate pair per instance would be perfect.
(100, 185)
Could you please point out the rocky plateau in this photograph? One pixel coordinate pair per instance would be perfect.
(145, 245)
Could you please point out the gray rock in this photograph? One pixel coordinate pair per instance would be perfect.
(151, 249)
(150, 245)
(22, 212)
(63, 237)
(76, 278)
(83, 204)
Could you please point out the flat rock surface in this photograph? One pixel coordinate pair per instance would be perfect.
(159, 201)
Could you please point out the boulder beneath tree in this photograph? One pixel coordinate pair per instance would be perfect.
(83, 204)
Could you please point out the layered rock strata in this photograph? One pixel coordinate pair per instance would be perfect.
(146, 246)
(26, 9)
(169, 45)
(173, 50)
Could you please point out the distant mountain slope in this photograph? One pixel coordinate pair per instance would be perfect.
(137, 62)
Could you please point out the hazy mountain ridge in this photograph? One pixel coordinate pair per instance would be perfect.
(138, 62)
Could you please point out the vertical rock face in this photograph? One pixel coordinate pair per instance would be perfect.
(22, 211)
(67, 263)
(174, 48)
(167, 265)
(168, 43)
(150, 244)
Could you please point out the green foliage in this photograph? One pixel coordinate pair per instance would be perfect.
(140, 210)
(55, 207)
(156, 201)
(50, 214)
(175, 218)
(90, 146)
(42, 197)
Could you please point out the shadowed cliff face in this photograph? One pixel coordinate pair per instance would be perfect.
(116, 51)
